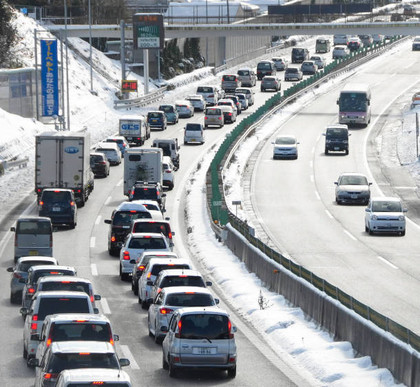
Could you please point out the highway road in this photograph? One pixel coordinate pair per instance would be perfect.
(329, 239)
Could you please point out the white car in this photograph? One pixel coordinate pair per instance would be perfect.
(228, 102)
(152, 206)
(340, 52)
(134, 245)
(243, 99)
(319, 61)
(185, 109)
(198, 102)
(285, 146)
(168, 173)
(352, 188)
(385, 214)
(172, 298)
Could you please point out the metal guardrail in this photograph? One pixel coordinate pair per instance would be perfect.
(7, 164)
(141, 101)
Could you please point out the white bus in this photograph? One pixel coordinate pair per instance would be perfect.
(354, 104)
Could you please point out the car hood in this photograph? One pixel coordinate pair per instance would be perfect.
(285, 146)
(354, 188)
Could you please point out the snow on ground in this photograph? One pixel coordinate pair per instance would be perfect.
(285, 327)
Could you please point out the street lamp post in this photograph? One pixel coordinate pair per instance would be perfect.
(90, 46)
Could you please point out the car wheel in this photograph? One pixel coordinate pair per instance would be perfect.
(25, 353)
(14, 298)
(165, 364)
(72, 225)
(402, 233)
(143, 304)
(370, 231)
(123, 276)
(135, 289)
(338, 201)
(326, 151)
(232, 372)
(27, 361)
(347, 151)
(172, 370)
(158, 339)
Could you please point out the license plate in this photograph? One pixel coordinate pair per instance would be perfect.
(33, 252)
(193, 140)
(56, 209)
(336, 148)
(204, 350)
(353, 196)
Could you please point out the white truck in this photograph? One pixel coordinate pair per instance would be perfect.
(170, 148)
(134, 129)
(142, 164)
(62, 160)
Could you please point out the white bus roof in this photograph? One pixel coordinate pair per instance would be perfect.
(356, 87)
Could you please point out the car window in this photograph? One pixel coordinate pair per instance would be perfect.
(354, 180)
(81, 331)
(34, 227)
(52, 305)
(386, 206)
(122, 218)
(44, 273)
(24, 266)
(243, 72)
(209, 326)
(156, 227)
(194, 127)
(147, 243)
(285, 140)
(204, 89)
(264, 66)
(189, 300)
(156, 269)
(56, 196)
(66, 285)
(180, 280)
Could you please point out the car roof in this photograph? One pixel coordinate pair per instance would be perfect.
(131, 206)
(385, 199)
(82, 346)
(67, 278)
(52, 267)
(151, 221)
(147, 235)
(163, 261)
(159, 252)
(35, 258)
(184, 289)
(352, 174)
(57, 189)
(201, 310)
(178, 272)
(167, 159)
(79, 317)
(34, 217)
(93, 375)
(145, 201)
(97, 154)
(62, 293)
(225, 107)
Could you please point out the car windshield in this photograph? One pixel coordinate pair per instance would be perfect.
(144, 193)
(203, 89)
(292, 70)
(89, 331)
(96, 159)
(157, 268)
(213, 112)
(229, 77)
(184, 299)
(154, 115)
(386, 206)
(208, 326)
(147, 243)
(193, 127)
(62, 361)
(337, 133)
(243, 72)
(355, 102)
(285, 140)
(44, 273)
(52, 305)
(124, 218)
(56, 196)
(182, 280)
(263, 66)
(353, 180)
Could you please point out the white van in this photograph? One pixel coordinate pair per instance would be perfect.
(194, 133)
(111, 150)
(93, 376)
(210, 94)
(33, 236)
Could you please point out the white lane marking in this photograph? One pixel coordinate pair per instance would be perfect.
(92, 242)
(317, 195)
(387, 262)
(350, 235)
(329, 214)
(98, 220)
(105, 306)
(120, 183)
(94, 269)
(311, 164)
(127, 353)
(312, 178)
(108, 199)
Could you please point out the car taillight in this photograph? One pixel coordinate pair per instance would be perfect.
(72, 204)
(113, 239)
(31, 290)
(132, 192)
(178, 334)
(206, 118)
(149, 274)
(170, 235)
(230, 330)
(165, 310)
(141, 268)
(219, 118)
(17, 275)
(168, 171)
(126, 256)
(41, 203)
(97, 383)
(229, 114)
(102, 162)
(49, 341)
(49, 376)
(34, 324)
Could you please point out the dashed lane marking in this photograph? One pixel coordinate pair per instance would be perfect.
(127, 353)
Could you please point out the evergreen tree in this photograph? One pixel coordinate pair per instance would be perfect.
(7, 33)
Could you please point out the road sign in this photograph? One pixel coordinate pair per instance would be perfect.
(148, 30)
(128, 85)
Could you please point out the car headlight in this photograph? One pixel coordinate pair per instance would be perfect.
(401, 217)
(374, 217)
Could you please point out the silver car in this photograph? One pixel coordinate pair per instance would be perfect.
(270, 82)
(20, 271)
(285, 146)
(385, 215)
(248, 92)
(172, 298)
(198, 102)
(214, 117)
(319, 61)
(200, 338)
(352, 188)
(293, 74)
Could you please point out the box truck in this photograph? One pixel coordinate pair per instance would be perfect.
(142, 164)
(134, 129)
(62, 160)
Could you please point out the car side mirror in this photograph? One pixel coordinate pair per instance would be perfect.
(349, 134)
(209, 283)
(370, 183)
(164, 328)
(116, 338)
(96, 310)
(367, 209)
(164, 195)
(97, 297)
(124, 362)
(336, 182)
(10, 269)
(24, 311)
(107, 221)
(33, 362)
(405, 210)
(338, 102)
(149, 283)
(13, 229)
